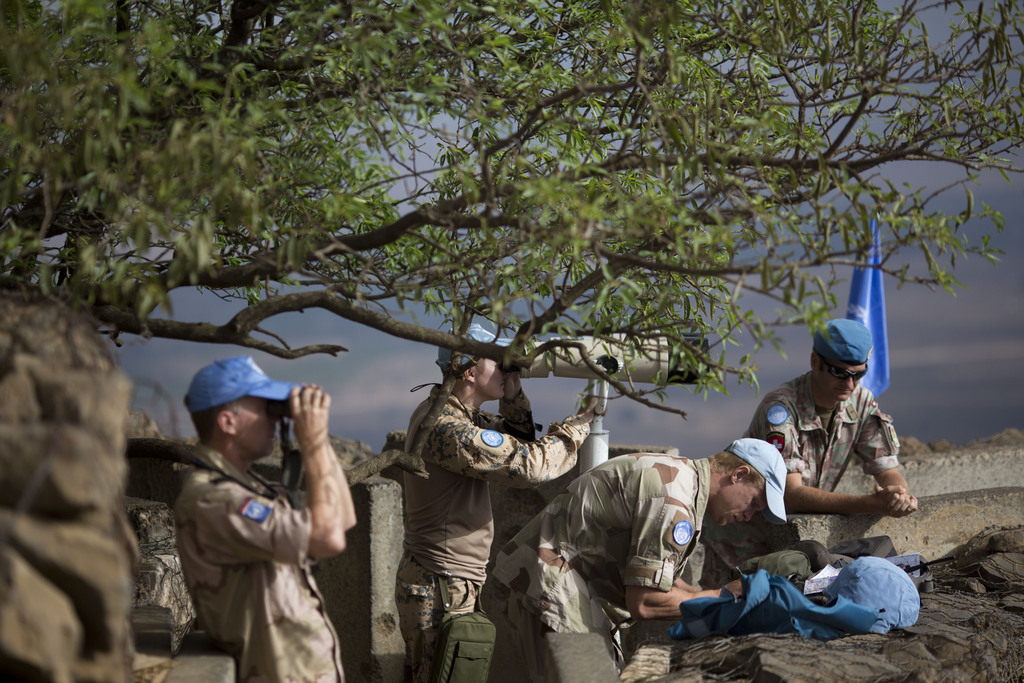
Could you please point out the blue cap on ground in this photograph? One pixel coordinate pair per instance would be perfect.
(877, 583)
(844, 340)
(476, 332)
(231, 378)
(766, 459)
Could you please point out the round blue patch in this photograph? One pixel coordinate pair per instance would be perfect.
(683, 532)
(492, 438)
(777, 414)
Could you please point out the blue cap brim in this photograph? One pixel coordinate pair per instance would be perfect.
(776, 510)
(272, 390)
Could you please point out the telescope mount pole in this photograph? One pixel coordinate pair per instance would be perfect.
(594, 450)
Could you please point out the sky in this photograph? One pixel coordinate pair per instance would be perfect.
(956, 362)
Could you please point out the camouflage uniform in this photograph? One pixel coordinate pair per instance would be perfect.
(245, 555)
(787, 418)
(448, 519)
(631, 521)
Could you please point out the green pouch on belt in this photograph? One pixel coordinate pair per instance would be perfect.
(465, 643)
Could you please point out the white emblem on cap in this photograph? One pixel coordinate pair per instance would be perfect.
(492, 438)
(777, 414)
(683, 532)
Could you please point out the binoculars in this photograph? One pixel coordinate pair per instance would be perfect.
(279, 408)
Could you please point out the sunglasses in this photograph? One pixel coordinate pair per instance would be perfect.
(843, 373)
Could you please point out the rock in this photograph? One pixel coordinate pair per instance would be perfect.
(991, 540)
(68, 555)
(141, 426)
(41, 631)
(86, 562)
(911, 446)
(350, 451)
(1007, 437)
(50, 468)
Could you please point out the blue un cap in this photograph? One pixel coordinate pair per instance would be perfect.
(844, 340)
(476, 332)
(231, 378)
(877, 583)
(766, 459)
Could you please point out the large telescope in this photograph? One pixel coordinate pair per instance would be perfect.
(646, 360)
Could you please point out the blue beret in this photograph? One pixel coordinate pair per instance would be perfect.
(847, 341)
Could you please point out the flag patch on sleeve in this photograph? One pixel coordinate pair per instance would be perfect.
(255, 510)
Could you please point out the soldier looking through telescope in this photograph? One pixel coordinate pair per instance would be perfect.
(448, 518)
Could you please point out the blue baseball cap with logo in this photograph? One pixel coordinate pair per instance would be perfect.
(476, 332)
(225, 380)
(766, 459)
(844, 340)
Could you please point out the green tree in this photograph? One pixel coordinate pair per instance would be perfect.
(575, 168)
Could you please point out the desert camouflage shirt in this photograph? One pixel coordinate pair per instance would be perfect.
(787, 419)
(448, 522)
(631, 521)
(244, 553)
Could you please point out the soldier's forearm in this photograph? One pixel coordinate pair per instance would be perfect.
(329, 501)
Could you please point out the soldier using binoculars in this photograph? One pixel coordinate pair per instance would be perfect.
(245, 548)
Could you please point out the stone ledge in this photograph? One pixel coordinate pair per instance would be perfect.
(578, 658)
(963, 469)
(940, 524)
(198, 660)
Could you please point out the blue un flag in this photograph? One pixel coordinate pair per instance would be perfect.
(867, 305)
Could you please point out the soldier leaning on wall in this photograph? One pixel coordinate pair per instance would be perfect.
(820, 421)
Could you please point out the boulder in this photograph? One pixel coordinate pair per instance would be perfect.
(68, 554)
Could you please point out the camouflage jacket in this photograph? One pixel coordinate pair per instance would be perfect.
(631, 521)
(787, 418)
(448, 519)
(244, 554)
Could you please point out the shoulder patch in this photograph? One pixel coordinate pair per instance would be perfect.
(682, 532)
(255, 510)
(492, 438)
(777, 439)
(777, 414)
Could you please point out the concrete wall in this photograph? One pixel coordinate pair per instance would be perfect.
(359, 585)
